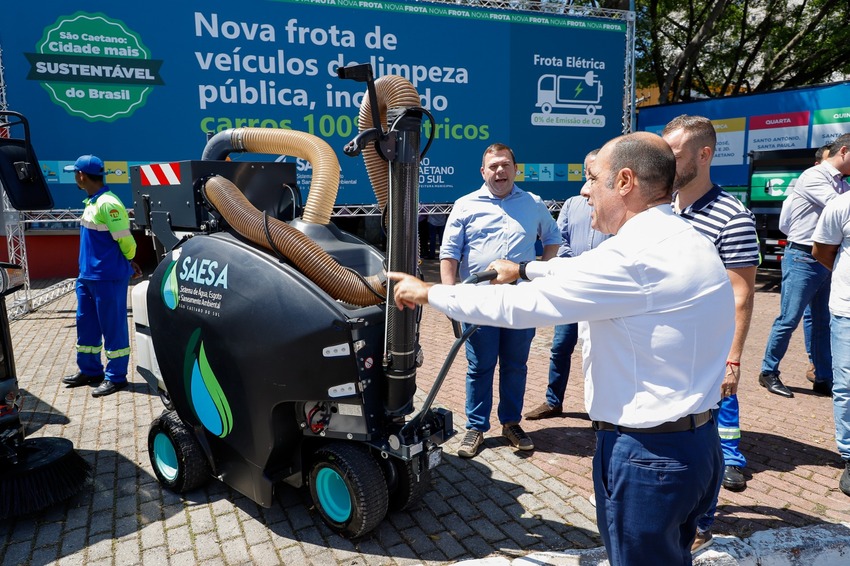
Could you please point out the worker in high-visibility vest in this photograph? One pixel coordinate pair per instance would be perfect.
(107, 249)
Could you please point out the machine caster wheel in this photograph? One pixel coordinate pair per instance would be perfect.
(166, 399)
(348, 488)
(176, 457)
(405, 488)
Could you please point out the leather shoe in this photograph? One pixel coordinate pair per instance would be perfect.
(771, 382)
(810, 373)
(108, 388)
(822, 388)
(81, 378)
(733, 478)
(844, 482)
(545, 411)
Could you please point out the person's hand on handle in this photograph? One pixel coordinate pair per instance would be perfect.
(408, 290)
(508, 271)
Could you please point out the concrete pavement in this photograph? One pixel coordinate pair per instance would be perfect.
(503, 505)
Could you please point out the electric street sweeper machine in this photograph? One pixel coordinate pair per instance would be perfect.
(266, 330)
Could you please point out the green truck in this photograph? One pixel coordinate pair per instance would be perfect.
(772, 174)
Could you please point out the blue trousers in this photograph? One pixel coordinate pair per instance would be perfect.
(102, 323)
(840, 327)
(564, 340)
(650, 490)
(729, 429)
(807, 331)
(804, 282)
(483, 349)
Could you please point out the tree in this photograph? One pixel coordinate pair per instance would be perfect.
(709, 48)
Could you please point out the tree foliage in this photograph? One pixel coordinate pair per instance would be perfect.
(709, 48)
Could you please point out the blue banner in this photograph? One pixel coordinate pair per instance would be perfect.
(798, 118)
(141, 83)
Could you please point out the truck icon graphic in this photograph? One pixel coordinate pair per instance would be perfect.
(565, 91)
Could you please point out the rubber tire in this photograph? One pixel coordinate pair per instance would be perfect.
(407, 492)
(176, 456)
(352, 467)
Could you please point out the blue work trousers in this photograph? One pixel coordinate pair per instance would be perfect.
(650, 491)
(564, 340)
(804, 282)
(484, 348)
(102, 325)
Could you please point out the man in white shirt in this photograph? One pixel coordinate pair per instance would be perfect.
(660, 318)
(804, 280)
(831, 248)
(785, 225)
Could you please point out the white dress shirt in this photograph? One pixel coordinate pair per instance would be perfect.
(659, 309)
(834, 229)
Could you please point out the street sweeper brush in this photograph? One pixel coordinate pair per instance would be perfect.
(35, 473)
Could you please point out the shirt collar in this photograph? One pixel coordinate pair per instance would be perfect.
(830, 168)
(484, 192)
(707, 198)
(702, 201)
(93, 198)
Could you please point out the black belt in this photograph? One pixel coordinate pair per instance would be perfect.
(688, 422)
(801, 247)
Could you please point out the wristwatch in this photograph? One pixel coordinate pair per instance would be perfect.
(522, 274)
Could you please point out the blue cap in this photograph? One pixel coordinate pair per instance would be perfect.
(89, 164)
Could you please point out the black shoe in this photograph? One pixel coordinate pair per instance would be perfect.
(81, 378)
(545, 411)
(108, 388)
(844, 482)
(772, 383)
(733, 478)
(822, 388)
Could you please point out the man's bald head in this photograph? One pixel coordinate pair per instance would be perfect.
(651, 160)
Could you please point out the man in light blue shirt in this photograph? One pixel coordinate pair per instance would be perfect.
(498, 221)
(574, 223)
(804, 280)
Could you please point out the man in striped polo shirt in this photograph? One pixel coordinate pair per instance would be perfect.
(731, 227)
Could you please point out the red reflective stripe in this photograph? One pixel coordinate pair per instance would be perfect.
(160, 174)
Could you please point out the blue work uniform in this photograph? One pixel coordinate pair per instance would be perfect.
(106, 248)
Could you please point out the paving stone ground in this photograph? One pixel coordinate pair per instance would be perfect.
(503, 503)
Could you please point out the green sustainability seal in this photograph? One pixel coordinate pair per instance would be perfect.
(94, 66)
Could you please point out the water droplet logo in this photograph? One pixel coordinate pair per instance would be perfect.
(203, 390)
(170, 287)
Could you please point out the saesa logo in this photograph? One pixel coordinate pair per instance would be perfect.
(200, 271)
(203, 389)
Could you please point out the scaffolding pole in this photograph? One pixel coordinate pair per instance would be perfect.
(23, 301)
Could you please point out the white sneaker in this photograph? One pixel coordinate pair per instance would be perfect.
(470, 444)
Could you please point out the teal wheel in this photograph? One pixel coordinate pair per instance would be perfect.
(176, 457)
(348, 488)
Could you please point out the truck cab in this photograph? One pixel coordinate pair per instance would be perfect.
(772, 175)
